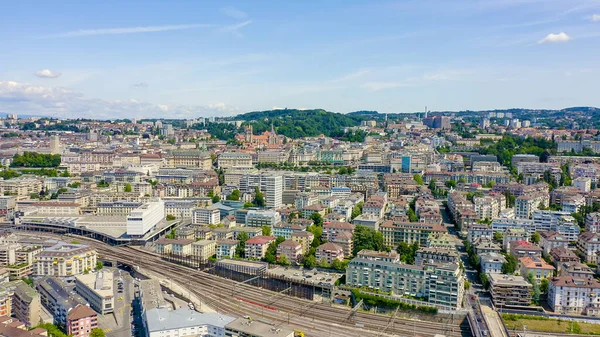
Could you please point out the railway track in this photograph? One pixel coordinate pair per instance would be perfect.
(314, 318)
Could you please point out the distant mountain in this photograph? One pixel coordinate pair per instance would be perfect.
(363, 113)
(295, 123)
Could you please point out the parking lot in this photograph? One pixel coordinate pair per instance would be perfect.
(316, 277)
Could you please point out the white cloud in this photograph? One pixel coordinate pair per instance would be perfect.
(595, 17)
(555, 38)
(129, 30)
(234, 29)
(64, 102)
(47, 73)
(234, 12)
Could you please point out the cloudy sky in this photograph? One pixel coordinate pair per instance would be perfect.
(109, 59)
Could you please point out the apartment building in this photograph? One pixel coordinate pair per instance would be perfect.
(65, 260)
(442, 284)
(490, 206)
(333, 229)
(509, 290)
(225, 249)
(81, 320)
(259, 218)
(329, 252)
(552, 239)
(256, 247)
(436, 255)
(525, 205)
(291, 250)
(491, 262)
(474, 232)
(588, 246)
(57, 300)
(204, 249)
(592, 222)
(97, 289)
(303, 238)
(574, 295)
(409, 232)
(206, 216)
(21, 187)
(180, 208)
(26, 304)
(536, 266)
(511, 235)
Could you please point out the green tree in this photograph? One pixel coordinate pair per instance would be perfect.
(266, 230)
(317, 219)
(432, 185)
(367, 238)
(310, 262)
(128, 188)
(259, 198)
(102, 183)
(99, 265)
(484, 280)
(467, 285)
(535, 296)
(283, 260)
(412, 217)
(450, 184)
(97, 332)
(323, 263)
(544, 285)
(497, 237)
(417, 177)
(317, 231)
(248, 204)
(338, 265)
(235, 195)
(510, 199)
(170, 217)
(535, 237)
(216, 199)
(240, 249)
(357, 210)
(407, 252)
(510, 266)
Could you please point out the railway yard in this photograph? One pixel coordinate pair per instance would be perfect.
(313, 318)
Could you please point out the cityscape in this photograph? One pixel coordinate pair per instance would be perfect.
(300, 169)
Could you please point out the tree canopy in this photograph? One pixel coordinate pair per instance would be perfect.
(367, 238)
(34, 159)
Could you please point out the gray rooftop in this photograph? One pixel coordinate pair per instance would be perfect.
(160, 319)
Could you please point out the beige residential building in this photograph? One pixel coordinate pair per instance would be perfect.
(22, 188)
(65, 260)
(256, 247)
(204, 249)
(26, 304)
(329, 252)
(289, 249)
(304, 238)
(235, 160)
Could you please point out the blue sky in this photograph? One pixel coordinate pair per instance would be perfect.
(109, 59)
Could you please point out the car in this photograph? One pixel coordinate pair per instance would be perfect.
(296, 274)
(479, 319)
(316, 272)
(473, 297)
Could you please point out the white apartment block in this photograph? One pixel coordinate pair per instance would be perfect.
(144, 218)
(583, 184)
(592, 222)
(259, 218)
(574, 295)
(97, 289)
(272, 187)
(206, 216)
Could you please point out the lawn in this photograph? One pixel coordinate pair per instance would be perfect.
(550, 325)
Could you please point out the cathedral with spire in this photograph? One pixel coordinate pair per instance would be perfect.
(264, 139)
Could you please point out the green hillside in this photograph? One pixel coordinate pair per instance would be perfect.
(301, 123)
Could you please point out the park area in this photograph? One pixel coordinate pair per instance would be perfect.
(534, 323)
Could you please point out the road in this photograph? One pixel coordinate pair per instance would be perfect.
(123, 305)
